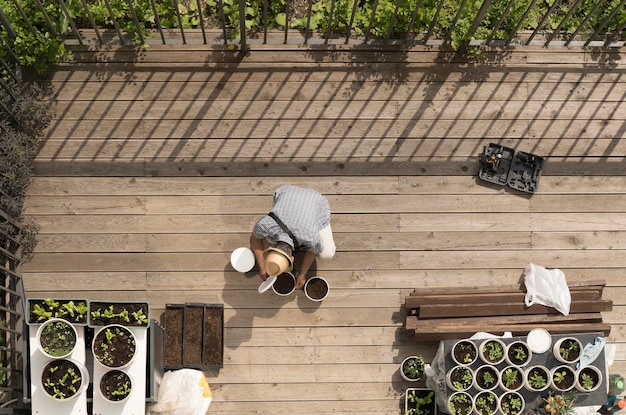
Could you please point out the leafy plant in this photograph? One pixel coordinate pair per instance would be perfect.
(586, 381)
(559, 404)
(537, 380)
(486, 403)
(420, 403)
(460, 404)
(461, 377)
(511, 403)
(509, 376)
(568, 346)
(488, 378)
(413, 367)
(57, 338)
(559, 377)
(493, 350)
(520, 353)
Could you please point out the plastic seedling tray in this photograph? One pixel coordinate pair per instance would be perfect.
(496, 161)
(525, 172)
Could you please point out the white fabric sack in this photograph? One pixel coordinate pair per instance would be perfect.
(182, 392)
(547, 287)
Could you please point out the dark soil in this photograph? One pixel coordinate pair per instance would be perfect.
(457, 374)
(192, 343)
(480, 377)
(512, 352)
(538, 372)
(465, 352)
(76, 318)
(57, 338)
(174, 336)
(485, 352)
(484, 406)
(462, 408)
(52, 378)
(589, 372)
(115, 385)
(506, 402)
(118, 308)
(572, 355)
(214, 336)
(285, 283)
(568, 379)
(116, 351)
(316, 288)
(517, 383)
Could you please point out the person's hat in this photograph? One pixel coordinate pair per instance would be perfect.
(277, 261)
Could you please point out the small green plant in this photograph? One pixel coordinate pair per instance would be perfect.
(61, 379)
(586, 381)
(488, 378)
(511, 404)
(509, 377)
(568, 346)
(461, 378)
(520, 353)
(460, 404)
(486, 403)
(559, 377)
(140, 317)
(57, 338)
(537, 379)
(493, 350)
(420, 403)
(413, 367)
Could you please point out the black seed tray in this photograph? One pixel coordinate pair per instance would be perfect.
(495, 163)
(525, 172)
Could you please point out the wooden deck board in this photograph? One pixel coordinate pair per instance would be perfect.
(156, 168)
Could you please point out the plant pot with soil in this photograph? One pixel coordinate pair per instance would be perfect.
(588, 379)
(114, 346)
(39, 310)
(316, 288)
(563, 378)
(485, 403)
(412, 368)
(567, 349)
(285, 284)
(460, 403)
(492, 351)
(420, 402)
(537, 378)
(460, 378)
(115, 386)
(63, 379)
(511, 378)
(511, 403)
(464, 352)
(57, 338)
(131, 314)
(486, 378)
(518, 353)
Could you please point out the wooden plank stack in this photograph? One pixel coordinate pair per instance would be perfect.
(458, 312)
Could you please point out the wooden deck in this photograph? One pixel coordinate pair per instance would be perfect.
(155, 168)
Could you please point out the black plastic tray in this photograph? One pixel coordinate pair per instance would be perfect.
(496, 162)
(525, 172)
(501, 165)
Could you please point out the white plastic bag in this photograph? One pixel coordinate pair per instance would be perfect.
(547, 287)
(182, 392)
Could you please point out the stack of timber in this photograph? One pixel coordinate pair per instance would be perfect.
(434, 314)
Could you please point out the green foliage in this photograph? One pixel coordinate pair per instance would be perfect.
(413, 368)
(420, 405)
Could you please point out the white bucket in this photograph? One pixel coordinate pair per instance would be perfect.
(242, 259)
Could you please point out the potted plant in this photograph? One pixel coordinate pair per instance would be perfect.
(460, 378)
(511, 378)
(567, 349)
(491, 351)
(486, 378)
(132, 314)
(559, 404)
(285, 284)
(485, 403)
(57, 338)
(511, 403)
(63, 379)
(537, 378)
(40, 310)
(563, 378)
(412, 368)
(518, 353)
(316, 288)
(115, 385)
(114, 346)
(464, 352)
(419, 402)
(460, 403)
(588, 379)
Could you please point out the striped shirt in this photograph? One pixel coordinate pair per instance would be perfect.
(304, 211)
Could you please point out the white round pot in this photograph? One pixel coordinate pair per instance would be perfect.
(49, 325)
(479, 373)
(503, 399)
(483, 351)
(558, 344)
(450, 376)
(287, 275)
(242, 259)
(100, 336)
(84, 375)
(558, 386)
(114, 372)
(489, 397)
(518, 353)
(450, 402)
(503, 378)
(534, 370)
(468, 350)
(312, 281)
(404, 376)
(591, 371)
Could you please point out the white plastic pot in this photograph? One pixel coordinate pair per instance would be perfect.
(483, 351)
(592, 371)
(503, 378)
(450, 378)
(277, 282)
(49, 324)
(559, 387)
(558, 344)
(511, 349)
(463, 344)
(309, 282)
(242, 259)
(103, 377)
(545, 373)
(100, 335)
(84, 383)
(478, 373)
(503, 399)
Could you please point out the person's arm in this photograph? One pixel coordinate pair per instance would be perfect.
(258, 247)
(307, 261)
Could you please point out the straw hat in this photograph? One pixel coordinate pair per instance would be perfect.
(277, 261)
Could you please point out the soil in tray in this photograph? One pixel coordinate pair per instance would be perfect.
(53, 382)
(213, 337)
(115, 385)
(174, 336)
(118, 308)
(192, 348)
(317, 289)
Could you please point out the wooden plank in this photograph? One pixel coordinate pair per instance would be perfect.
(418, 324)
(583, 285)
(505, 309)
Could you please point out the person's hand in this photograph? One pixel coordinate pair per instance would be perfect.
(300, 280)
(263, 274)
